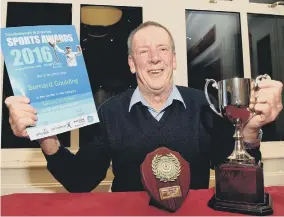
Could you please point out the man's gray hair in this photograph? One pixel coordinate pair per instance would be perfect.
(144, 25)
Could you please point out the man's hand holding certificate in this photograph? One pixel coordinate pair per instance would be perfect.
(45, 65)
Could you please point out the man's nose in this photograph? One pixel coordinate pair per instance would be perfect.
(154, 56)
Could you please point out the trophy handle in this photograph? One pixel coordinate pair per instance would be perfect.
(260, 77)
(215, 85)
(257, 80)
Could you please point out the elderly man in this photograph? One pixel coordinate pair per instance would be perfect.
(157, 113)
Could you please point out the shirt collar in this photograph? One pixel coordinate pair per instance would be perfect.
(137, 97)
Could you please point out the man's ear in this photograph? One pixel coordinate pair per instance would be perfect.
(174, 62)
(131, 64)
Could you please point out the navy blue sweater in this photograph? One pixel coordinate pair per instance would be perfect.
(201, 137)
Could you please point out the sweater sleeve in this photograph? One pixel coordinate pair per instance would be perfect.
(83, 171)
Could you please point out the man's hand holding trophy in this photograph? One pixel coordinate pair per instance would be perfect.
(249, 104)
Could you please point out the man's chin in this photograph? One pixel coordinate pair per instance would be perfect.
(158, 89)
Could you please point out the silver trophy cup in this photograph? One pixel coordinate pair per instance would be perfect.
(234, 98)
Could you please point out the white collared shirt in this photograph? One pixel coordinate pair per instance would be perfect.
(137, 97)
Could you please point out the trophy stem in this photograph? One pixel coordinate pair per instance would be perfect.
(239, 154)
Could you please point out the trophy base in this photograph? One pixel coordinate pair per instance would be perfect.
(259, 209)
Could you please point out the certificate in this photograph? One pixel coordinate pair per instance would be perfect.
(46, 64)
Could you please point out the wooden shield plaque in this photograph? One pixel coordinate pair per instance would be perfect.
(166, 178)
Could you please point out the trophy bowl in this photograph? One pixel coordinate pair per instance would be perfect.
(234, 97)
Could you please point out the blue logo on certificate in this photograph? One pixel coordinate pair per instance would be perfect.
(46, 64)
